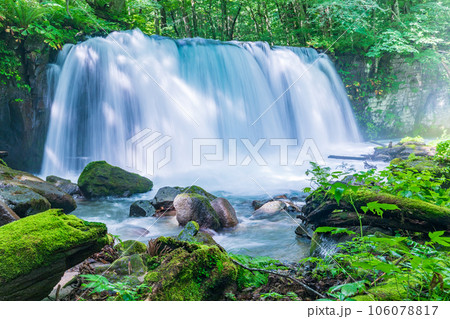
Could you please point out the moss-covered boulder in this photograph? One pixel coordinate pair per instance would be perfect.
(27, 185)
(196, 190)
(36, 251)
(189, 271)
(130, 247)
(100, 179)
(194, 207)
(190, 230)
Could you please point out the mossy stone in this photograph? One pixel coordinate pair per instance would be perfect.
(100, 179)
(130, 247)
(389, 291)
(196, 190)
(36, 250)
(191, 272)
(189, 231)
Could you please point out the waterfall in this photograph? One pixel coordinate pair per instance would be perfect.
(107, 90)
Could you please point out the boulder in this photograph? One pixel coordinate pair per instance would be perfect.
(36, 186)
(190, 271)
(226, 212)
(36, 251)
(100, 179)
(196, 190)
(7, 215)
(23, 201)
(64, 185)
(142, 208)
(193, 207)
(130, 247)
(188, 233)
(269, 210)
(165, 194)
(163, 201)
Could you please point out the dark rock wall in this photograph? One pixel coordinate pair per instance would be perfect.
(24, 114)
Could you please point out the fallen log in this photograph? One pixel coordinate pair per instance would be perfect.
(414, 215)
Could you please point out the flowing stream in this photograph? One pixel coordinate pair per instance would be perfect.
(128, 97)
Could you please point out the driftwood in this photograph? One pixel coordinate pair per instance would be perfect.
(280, 275)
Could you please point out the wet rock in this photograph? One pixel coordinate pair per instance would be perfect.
(270, 210)
(165, 194)
(193, 207)
(57, 198)
(23, 201)
(7, 215)
(100, 179)
(32, 264)
(133, 231)
(64, 185)
(163, 201)
(226, 212)
(188, 233)
(257, 204)
(142, 208)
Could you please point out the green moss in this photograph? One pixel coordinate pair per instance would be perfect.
(41, 239)
(408, 140)
(102, 179)
(130, 247)
(389, 291)
(3, 163)
(411, 207)
(189, 231)
(196, 190)
(191, 272)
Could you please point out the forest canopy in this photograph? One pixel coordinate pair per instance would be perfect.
(419, 28)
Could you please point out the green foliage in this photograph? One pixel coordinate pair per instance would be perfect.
(254, 279)
(125, 290)
(378, 208)
(408, 139)
(334, 230)
(344, 291)
(443, 151)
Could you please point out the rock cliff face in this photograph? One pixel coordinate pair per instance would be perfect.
(395, 97)
(23, 112)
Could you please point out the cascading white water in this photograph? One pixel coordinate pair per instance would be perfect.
(106, 90)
